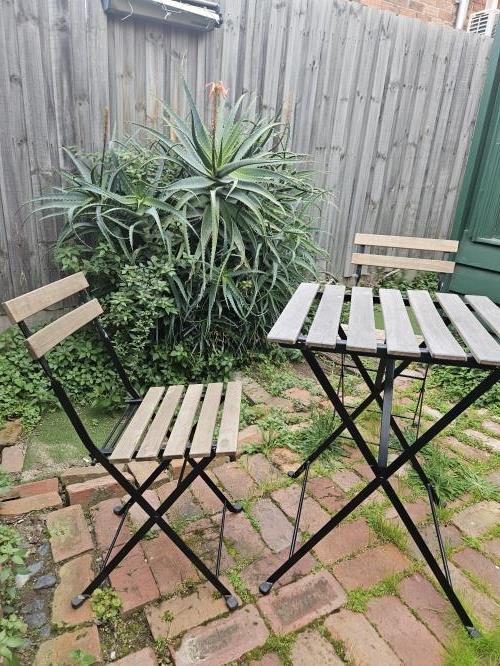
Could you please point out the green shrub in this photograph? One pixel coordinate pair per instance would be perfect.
(194, 244)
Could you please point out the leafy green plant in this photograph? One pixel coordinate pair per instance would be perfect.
(82, 658)
(195, 241)
(5, 483)
(12, 558)
(12, 631)
(106, 604)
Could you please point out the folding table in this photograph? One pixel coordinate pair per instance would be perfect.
(311, 322)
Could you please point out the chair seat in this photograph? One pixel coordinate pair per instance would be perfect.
(169, 420)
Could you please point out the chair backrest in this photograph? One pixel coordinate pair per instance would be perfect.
(408, 243)
(39, 343)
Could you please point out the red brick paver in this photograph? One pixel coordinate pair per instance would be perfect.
(142, 469)
(184, 508)
(269, 659)
(145, 657)
(295, 605)
(345, 539)
(311, 649)
(418, 511)
(260, 469)
(275, 528)
(184, 613)
(258, 571)
(12, 459)
(479, 565)
(134, 582)
(74, 576)
(430, 606)
(236, 481)
(478, 519)
(492, 547)
(362, 644)
(17, 507)
(33, 488)
(90, 492)
(238, 532)
(170, 567)
(58, 650)
(327, 493)
(205, 497)
(371, 567)
(346, 480)
(486, 610)
(223, 641)
(69, 533)
(409, 638)
(81, 474)
(312, 518)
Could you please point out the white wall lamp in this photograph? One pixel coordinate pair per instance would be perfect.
(192, 14)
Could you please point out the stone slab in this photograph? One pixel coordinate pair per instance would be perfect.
(69, 533)
(59, 649)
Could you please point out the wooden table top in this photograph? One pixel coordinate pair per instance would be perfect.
(453, 328)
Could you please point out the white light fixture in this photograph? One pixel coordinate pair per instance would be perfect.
(194, 14)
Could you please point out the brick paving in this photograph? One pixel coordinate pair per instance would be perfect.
(163, 593)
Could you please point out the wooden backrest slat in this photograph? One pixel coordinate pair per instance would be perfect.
(29, 304)
(409, 263)
(325, 325)
(399, 335)
(482, 345)
(407, 242)
(361, 335)
(49, 336)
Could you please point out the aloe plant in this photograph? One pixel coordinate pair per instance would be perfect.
(225, 205)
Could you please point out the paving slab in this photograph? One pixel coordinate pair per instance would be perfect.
(69, 533)
(93, 491)
(142, 469)
(483, 607)
(17, 507)
(170, 567)
(362, 644)
(371, 567)
(429, 605)
(145, 657)
(346, 539)
(275, 529)
(74, 577)
(491, 443)
(477, 519)
(409, 639)
(311, 649)
(134, 582)
(258, 571)
(313, 516)
(41, 487)
(58, 650)
(480, 566)
(294, 606)
(222, 641)
(237, 482)
(175, 616)
(240, 534)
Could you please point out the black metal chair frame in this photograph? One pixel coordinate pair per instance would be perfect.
(384, 382)
(136, 494)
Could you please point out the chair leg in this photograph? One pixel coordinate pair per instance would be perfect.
(122, 509)
(233, 507)
(417, 416)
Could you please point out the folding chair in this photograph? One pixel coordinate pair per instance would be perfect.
(440, 266)
(166, 424)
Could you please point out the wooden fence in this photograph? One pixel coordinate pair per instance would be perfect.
(384, 105)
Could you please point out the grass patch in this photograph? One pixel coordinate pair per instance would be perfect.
(279, 644)
(307, 440)
(482, 651)
(387, 530)
(357, 599)
(55, 441)
(451, 477)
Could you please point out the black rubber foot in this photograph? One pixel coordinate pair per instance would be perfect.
(235, 508)
(473, 632)
(266, 587)
(294, 475)
(119, 510)
(231, 602)
(77, 601)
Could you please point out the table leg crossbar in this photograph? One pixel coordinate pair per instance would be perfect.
(381, 469)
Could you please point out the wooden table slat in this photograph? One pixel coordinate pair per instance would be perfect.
(289, 324)
(325, 325)
(203, 436)
(437, 336)
(230, 420)
(399, 335)
(179, 437)
(488, 311)
(153, 440)
(482, 345)
(361, 336)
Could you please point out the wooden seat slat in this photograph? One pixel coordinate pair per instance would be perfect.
(399, 335)
(361, 335)
(482, 345)
(49, 336)
(179, 437)
(129, 440)
(437, 336)
(406, 242)
(227, 441)
(289, 324)
(325, 325)
(408, 263)
(488, 311)
(152, 442)
(34, 301)
(201, 444)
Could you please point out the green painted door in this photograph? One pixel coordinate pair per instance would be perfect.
(477, 222)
